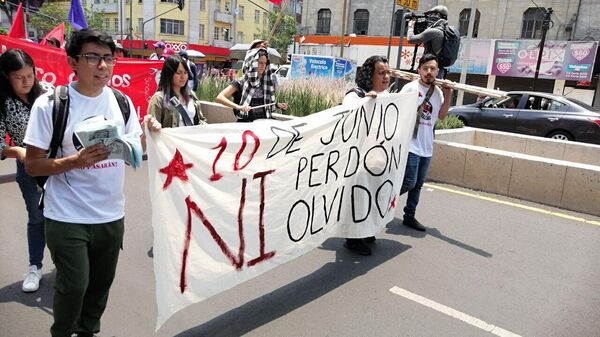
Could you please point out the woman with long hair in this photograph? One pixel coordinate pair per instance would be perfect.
(174, 104)
(254, 95)
(19, 88)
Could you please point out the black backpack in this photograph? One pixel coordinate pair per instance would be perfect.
(60, 115)
(449, 52)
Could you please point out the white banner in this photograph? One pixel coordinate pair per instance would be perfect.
(232, 201)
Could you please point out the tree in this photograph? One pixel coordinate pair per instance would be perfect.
(284, 33)
(10, 6)
(59, 12)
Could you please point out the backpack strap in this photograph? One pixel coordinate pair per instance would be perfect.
(358, 91)
(60, 115)
(123, 104)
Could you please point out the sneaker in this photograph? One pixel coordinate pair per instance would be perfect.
(369, 240)
(358, 246)
(32, 279)
(414, 224)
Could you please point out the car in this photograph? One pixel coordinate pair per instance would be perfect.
(282, 73)
(536, 114)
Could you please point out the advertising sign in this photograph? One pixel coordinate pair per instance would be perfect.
(479, 56)
(561, 60)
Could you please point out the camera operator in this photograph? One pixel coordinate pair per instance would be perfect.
(432, 37)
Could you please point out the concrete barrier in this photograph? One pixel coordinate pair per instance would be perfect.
(547, 171)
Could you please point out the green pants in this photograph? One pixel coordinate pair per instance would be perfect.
(85, 256)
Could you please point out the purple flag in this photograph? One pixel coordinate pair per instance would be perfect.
(76, 16)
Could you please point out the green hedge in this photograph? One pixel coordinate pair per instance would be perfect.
(450, 122)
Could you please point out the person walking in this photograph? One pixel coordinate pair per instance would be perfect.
(84, 200)
(174, 104)
(433, 103)
(19, 87)
(372, 79)
(159, 49)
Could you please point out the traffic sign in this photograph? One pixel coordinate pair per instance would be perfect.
(412, 4)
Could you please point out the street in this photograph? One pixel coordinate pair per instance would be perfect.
(487, 265)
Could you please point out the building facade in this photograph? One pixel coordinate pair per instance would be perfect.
(218, 23)
(505, 19)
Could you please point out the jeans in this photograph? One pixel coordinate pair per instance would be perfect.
(414, 177)
(36, 239)
(85, 256)
(442, 73)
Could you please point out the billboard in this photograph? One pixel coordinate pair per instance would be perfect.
(561, 60)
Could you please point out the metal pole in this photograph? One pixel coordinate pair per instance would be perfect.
(121, 19)
(344, 19)
(545, 26)
(25, 19)
(400, 41)
(130, 27)
(467, 51)
(392, 30)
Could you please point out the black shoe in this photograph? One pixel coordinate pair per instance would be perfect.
(369, 240)
(414, 224)
(358, 246)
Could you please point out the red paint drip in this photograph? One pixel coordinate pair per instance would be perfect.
(245, 135)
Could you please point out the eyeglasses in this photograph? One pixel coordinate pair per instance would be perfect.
(94, 59)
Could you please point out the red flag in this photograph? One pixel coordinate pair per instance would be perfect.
(275, 2)
(58, 33)
(17, 30)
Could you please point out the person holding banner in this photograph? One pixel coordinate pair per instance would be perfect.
(84, 203)
(19, 88)
(174, 104)
(372, 79)
(433, 104)
(254, 95)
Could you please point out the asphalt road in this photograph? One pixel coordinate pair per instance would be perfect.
(485, 267)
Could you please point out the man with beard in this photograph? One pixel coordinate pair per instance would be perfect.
(433, 104)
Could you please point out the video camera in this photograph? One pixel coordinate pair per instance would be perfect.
(421, 22)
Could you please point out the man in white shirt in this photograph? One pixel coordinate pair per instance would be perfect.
(84, 200)
(433, 104)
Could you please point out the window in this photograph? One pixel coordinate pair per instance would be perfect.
(201, 31)
(241, 12)
(202, 5)
(216, 34)
(361, 22)
(256, 16)
(324, 21)
(265, 19)
(240, 37)
(218, 5)
(106, 23)
(510, 102)
(169, 1)
(116, 21)
(532, 23)
(127, 23)
(168, 26)
(226, 34)
(463, 21)
(140, 24)
(96, 1)
(398, 19)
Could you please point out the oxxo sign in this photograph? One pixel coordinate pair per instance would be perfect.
(176, 46)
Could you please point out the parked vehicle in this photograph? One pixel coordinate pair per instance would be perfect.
(282, 73)
(535, 114)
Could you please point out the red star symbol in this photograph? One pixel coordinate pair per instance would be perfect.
(393, 203)
(176, 168)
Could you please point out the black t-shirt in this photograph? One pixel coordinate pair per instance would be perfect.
(257, 99)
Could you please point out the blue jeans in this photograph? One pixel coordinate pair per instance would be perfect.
(414, 177)
(36, 238)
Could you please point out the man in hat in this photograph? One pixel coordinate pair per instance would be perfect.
(159, 49)
(119, 50)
